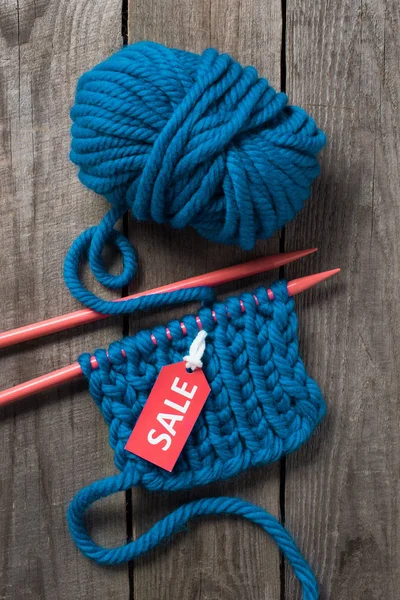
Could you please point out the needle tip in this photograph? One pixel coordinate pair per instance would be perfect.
(296, 286)
(301, 253)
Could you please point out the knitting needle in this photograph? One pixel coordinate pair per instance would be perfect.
(81, 317)
(45, 382)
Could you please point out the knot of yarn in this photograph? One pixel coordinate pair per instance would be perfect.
(189, 140)
(196, 351)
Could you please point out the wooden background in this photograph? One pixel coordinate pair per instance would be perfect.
(339, 495)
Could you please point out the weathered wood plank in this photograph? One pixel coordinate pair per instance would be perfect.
(342, 490)
(54, 444)
(217, 558)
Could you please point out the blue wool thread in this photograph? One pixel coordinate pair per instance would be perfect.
(189, 140)
(262, 405)
(195, 141)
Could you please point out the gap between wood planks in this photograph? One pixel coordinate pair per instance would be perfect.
(125, 332)
(282, 478)
(125, 318)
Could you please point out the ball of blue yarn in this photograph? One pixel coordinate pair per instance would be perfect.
(194, 140)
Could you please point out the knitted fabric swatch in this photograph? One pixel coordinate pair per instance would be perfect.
(262, 405)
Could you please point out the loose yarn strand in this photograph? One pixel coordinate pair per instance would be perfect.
(177, 521)
(92, 241)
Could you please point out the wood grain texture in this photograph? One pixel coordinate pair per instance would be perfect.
(216, 558)
(342, 490)
(54, 444)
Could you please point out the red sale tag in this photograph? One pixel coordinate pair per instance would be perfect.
(168, 416)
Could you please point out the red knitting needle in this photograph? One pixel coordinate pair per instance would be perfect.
(296, 286)
(81, 317)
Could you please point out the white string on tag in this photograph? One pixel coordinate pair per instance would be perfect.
(196, 351)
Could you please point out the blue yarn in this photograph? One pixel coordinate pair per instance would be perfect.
(262, 405)
(195, 141)
(187, 140)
